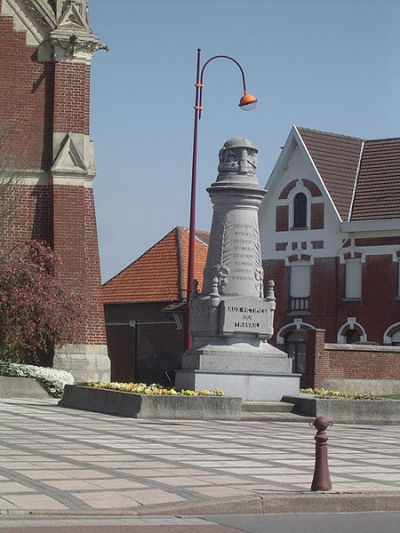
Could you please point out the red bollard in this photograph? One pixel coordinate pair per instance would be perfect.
(321, 480)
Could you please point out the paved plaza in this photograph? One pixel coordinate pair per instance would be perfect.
(58, 460)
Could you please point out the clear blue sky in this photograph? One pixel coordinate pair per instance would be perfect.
(328, 65)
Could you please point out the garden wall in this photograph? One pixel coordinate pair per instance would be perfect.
(370, 369)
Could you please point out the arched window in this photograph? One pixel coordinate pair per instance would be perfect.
(300, 210)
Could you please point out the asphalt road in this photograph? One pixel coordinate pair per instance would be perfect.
(313, 523)
(373, 522)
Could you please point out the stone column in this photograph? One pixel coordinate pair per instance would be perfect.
(230, 320)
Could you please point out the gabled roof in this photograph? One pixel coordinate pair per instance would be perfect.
(377, 194)
(361, 176)
(336, 158)
(160, 274)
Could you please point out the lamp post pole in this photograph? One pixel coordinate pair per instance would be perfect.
(247, 102)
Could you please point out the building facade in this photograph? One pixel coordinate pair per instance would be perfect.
(46, 49)
(330, 237)
(144, 307)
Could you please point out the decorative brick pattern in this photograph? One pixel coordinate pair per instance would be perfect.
(377, 241)
(286, 190)
(317, 245)
(314, 190)
(317, 216)
(282, 218)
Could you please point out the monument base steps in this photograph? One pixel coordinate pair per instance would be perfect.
(250, 386)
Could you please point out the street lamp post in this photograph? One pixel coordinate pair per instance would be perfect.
(247, 102)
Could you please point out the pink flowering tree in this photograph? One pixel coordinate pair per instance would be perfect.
(35, 312)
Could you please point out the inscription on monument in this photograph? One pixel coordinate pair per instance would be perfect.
(243, 266)
(245, 315)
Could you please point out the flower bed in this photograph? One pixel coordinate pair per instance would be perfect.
(142, 401)
(153, 389)
(322, 393)
(341, 408)
(51, 379)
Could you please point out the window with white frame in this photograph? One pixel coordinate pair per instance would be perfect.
(300, 280)
(353, 279)
(300, 286)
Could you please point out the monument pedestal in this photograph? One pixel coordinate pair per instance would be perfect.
(255, 373)
(250, 386)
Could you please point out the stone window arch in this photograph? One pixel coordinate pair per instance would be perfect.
(292, 326)
(392, 335)
(351, 331)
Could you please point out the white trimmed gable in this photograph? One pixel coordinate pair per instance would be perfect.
(296, 171)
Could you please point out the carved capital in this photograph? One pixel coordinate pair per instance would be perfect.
(238, 156)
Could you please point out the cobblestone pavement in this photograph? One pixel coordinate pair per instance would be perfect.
(61, 460)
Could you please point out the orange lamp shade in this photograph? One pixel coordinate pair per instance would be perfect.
(247, 102)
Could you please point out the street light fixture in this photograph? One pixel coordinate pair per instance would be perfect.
(247, 102)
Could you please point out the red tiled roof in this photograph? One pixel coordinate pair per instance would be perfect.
(377, 193)
(160, 274)
(336, 158)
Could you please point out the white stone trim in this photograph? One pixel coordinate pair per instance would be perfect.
(361, 347)
(310, 159)
(356, 180)
(387, 338)
(86, 362)
(34, 35)
(74, 161)
(371, 226)
(351, 323)
(73, 182)
(31, 177)
(296, 324)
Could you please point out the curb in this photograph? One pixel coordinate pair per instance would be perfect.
(263, 503)
(309, 502)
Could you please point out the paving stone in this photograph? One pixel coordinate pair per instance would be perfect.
(86, 461)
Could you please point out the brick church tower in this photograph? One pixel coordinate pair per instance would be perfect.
(46, 49)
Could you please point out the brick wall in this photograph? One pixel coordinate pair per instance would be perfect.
(30, 215)
(75, 240)
(26, 106)
(72, 98)
(353, 362)
(26, 98)
(376, 311)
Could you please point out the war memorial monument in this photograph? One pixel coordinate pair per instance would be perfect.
(231, 321)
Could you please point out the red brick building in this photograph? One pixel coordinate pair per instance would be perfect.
(46, 48)
(141, 302)
(330, 236)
